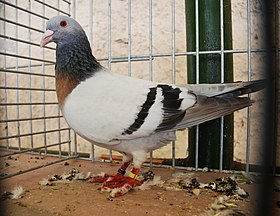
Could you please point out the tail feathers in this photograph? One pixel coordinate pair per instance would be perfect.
(246, 88)
(227, 89)
(209, 108)
(217, 100)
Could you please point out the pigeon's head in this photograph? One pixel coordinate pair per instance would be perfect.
(61, 29)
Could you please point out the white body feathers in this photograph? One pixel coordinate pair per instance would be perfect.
(102, 107)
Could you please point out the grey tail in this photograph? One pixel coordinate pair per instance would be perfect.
(209, 108)
(247, 88)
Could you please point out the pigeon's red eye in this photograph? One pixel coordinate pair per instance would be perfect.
(63, 23)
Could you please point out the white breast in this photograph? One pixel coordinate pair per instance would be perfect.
(103, 106)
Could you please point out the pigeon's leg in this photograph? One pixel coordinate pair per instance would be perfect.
(121, 171)
(124, 184)
(125, 163)
(121, 184)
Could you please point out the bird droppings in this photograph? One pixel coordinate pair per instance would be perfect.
(183, 181)
(37, 158)
(110, 198)
(155, 199)
(180, 181)
(196, 191)
(73, 174)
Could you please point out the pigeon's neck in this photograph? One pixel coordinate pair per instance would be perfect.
(74, 64)
(75, 60)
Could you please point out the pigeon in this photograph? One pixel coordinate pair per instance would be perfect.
(129, 115)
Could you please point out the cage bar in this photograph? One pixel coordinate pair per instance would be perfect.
(248, 144)
(23, 77)
(222, 81)
(197, 78)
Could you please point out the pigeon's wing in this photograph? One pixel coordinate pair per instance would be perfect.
(209, 108)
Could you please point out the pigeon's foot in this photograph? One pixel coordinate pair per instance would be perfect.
(118, 185)
(105, 177)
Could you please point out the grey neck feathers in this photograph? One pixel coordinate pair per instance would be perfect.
(75, 60)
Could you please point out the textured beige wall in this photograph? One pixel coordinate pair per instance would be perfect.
(162, 67)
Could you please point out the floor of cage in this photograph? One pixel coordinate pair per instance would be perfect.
(83, 198)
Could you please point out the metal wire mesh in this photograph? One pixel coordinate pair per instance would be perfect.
(30, 116)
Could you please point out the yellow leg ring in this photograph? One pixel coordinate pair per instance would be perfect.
(132, 175)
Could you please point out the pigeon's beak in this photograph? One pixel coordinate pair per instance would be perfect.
(46, 38)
